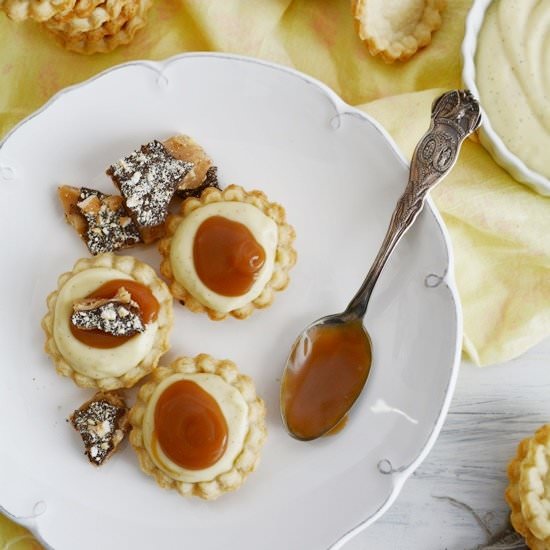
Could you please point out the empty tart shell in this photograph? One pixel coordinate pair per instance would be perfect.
(396, 30)
(84, 8)
(138, 271)
(110, 34)
(528, 492)
(39, 10)
(246, 460)
(285, 255)
(86, 20)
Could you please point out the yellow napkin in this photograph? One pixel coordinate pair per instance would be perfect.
(499, 228)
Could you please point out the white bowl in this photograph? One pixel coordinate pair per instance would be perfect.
(338, 174)
(487, 135)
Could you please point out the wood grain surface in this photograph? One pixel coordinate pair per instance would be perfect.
(492, 410)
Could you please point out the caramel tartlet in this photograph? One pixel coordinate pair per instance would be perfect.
(227, 252)
(198, 426)
(108, 322)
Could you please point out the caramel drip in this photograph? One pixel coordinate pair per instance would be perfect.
(190, 427)
(227, 257)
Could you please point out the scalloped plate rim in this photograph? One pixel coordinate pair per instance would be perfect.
(448, 279)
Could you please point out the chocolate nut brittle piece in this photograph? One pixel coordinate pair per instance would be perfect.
(102, 423)
(147, 179)
(118, 316)
(101, 220)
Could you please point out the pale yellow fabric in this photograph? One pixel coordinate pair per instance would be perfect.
(498, 227)
(499, 231)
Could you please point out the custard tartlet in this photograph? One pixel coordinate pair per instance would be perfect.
(102, 334)
(198, 426)
(227, 252)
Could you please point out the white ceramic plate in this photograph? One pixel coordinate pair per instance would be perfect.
(338, 175)
(492, 141)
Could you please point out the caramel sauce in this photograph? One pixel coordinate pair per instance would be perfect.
(190, 426)
(339, 427)
(148, 305)
(327, 370)
(227, 257)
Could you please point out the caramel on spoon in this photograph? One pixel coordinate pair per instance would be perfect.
(330, 361)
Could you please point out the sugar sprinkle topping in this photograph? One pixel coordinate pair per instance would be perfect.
(147, 179)
(118, 316)
(109, 225)
(97, 424)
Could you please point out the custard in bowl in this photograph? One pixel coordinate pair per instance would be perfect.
(506, 65)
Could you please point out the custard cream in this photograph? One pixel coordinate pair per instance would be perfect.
(234, 409)
(513, 77)
(96, 362)
(264, 230)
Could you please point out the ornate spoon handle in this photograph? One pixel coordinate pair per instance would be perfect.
(455, 115)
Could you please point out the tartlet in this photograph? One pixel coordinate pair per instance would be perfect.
(251, 213)
(114, 31)
(528, 491)
(115, 367)
(39, 10)
(397, 30)
(243, 412)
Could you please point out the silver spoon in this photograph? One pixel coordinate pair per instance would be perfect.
(313, 400)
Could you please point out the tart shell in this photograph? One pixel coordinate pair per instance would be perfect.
(522, 517)
(75, 22)
(247, 460)
(111, 34)
(140, 272)
(386, 35)
(39, 10)
(285, 255)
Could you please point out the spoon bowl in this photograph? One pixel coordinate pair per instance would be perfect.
(330, 361)
(334, 343)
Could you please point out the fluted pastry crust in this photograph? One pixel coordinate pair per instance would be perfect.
(39, 10)
(111, 34)
(97, 14)
(245, 462)
(529, 486)
(141, 273)
(389, 33)
(285, 256)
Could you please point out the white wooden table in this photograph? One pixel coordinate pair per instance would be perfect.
(492, 410)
